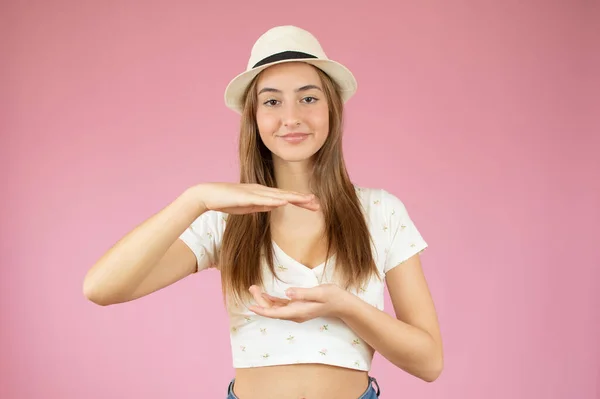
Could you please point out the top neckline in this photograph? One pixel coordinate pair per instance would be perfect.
(315, 269)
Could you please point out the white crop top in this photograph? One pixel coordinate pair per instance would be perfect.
(260, 341)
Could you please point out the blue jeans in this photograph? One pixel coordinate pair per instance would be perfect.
(370, 393)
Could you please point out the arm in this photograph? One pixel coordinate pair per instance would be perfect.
(178, 240)
(411, 341)
(148, 258)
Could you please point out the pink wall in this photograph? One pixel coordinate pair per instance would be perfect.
(478, 116)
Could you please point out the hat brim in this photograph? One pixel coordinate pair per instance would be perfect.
(234, 91)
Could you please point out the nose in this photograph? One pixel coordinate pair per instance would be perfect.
(290, 116)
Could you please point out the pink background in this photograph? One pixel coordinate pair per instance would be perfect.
(477, 115)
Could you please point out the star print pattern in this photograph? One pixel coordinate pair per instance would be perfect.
(261, 341)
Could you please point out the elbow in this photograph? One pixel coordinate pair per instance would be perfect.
(93, 293)
(434, 367)
(428, 372)
(429, 365)
(435, 361)
(433, 372)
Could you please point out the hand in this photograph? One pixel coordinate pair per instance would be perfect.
(236, 198)
(326, 300)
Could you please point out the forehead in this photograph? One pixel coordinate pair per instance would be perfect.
(288, 75)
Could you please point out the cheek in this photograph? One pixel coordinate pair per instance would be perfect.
(320, 121)
(267, 125)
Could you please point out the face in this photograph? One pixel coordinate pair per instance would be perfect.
(292, 111)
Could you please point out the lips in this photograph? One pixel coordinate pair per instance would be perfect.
(295, 137)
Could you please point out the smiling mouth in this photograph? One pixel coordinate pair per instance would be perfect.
(294, 137)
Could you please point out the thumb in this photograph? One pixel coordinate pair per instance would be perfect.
(305, 294)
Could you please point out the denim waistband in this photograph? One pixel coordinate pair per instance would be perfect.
(370, 393)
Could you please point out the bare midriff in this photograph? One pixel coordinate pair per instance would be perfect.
(300, 381)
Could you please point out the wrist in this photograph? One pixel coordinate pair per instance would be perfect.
(194, 196)
(342, 302)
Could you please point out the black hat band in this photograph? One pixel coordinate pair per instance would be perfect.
(285, 55)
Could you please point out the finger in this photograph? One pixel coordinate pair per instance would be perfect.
(261, 209)
(311, 206)
(264, 200)
(282, 312)
(292, 198)
(276, 190)
(275, 300)
(305, 294)
(248, 209)
(286, 194)
(256, 294)
(261, 203)
(265, 208)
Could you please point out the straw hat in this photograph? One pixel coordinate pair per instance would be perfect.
(286, 44)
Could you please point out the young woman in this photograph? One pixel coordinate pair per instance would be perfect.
(303, 253)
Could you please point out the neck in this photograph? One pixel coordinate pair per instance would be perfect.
(293, 176)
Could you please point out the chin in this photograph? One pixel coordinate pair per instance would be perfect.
(298, 155)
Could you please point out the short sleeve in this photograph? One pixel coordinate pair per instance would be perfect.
(404, 239)
(204, 237)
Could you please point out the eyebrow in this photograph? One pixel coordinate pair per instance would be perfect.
(303, 88)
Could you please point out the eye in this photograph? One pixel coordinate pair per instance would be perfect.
(270, 103)
(310, 100)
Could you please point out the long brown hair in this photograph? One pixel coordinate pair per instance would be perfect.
(346, 231)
